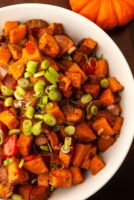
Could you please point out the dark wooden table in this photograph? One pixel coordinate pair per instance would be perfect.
(122, 184)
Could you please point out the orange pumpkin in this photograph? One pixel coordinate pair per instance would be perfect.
(106, 13)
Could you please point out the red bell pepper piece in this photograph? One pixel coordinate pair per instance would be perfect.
(30, 47)
(10, 146)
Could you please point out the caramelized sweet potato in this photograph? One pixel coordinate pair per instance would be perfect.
(17, 34)
(103, 144)
(5, 191)
(80, 151)
(93, 89)
(39, 193)
(86, 162)
(48, 45)
(96, 165)
(87, 45)
(84, 133)
(8, 119)
(73, 114)
(75, 78)
(102, 68)
(117, 125)
(43, 180)
(60, 178)
(64, 83)
(9, 25)
(107, 97)
(15, 50)
(36, 165)
(77, 177)
(54, 140)
(65, 158)
(16, 175)
(64, 43)
(25, 191)
(79, 58)
(4, 55)
(24, 144)
(17, 69)
(115, 85)
(102, 125)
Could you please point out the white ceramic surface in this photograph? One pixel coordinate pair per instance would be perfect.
(79, 27)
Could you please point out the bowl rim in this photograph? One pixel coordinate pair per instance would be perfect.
(23, 5)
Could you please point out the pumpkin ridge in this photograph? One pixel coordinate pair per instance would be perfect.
(130, 4)
(80, 7)
(113, 6)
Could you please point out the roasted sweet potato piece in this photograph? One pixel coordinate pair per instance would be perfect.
(117, 125)
(56, 111)
(93, 89)
(48, 45)
(107, 97)
(102, 67)
(64, 43)
(75, 78)
(96, 165)
(17, 34)
(64, 83)
(101, 126)
(24, 144)
(17, 69)
(9, 25)
(54, 140)
(5, 191)
(16, 175)
(103, 144)
(25, 191)
(76, 68)
(9, 81)
(77, 177)
(79, 58)
(84, 133)
(65, 158)
(33, 24)
(60, 178)
(43, 180)
(80, 151)
(3, 73)
(36, 165)
(8, 119)
(15, 50)
(3, 175)
(115, 85)
(64, 64)
(87, 46)
(53, 63)
(55, 29)
(41, 140)
(73, 114)
(39, 193)
(4, 55)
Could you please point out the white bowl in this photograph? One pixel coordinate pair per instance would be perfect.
(79, 27)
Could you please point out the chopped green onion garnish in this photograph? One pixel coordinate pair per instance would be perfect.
(37, 116)
(6, 91)
(44, 148)
(14, 132)
(49, 119)
(31, 67)
(8, 161)
(21, 163)
(69, 130)
(27, 74)
(104, 83)
(20, 90)
(54, 95)
(27, 125)
(86, 98)
(37, 128)
(49, 88)
(18, 96)
(39, 88)
(53, 72)
(49, 106)
(38, 74)
(94, 110)
(44, 100)
(29, 112)
(16, 197)
(45, 64)
(51, 78)
(67, 145)
(8, 101)
(24, 83)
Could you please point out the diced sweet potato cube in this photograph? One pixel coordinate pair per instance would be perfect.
(24, 144)
(115, 85)
(16, 175)
(75, 78)
(77, 177)
(93, 89)
(36, 165)
(17, 34)
(5, 191)
(9, 25)
(103, 144)
(64, 83)
(96, 165)
(25, 191)
(87, 46)
(4, 55)
(84, 133)
(17, 69)
(39, 193)
(54, 140)
(43, 180)
(107, 97)
(80, 152)
(102, 67)
(8, 119)
(73, 114)
(65, 158)
(102, 124)
(16, 51)
(117, 125)
(60, 178)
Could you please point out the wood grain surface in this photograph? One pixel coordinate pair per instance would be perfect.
(121, 186)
